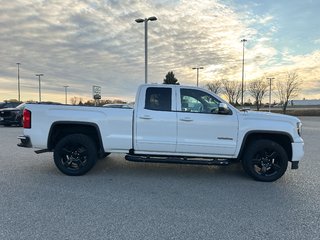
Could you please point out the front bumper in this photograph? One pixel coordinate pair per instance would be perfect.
(25, 142)
(297, 154)
(9, 122)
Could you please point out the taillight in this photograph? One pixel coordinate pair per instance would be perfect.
(26, 118)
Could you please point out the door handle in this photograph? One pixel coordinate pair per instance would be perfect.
(146, 117)
(187, 119)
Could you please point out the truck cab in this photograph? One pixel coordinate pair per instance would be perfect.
(183, 121)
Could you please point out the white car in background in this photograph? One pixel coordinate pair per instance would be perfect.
(126, 106)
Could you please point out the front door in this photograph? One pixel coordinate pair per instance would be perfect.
(201, 129)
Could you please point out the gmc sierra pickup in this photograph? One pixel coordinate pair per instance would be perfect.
(170, 124)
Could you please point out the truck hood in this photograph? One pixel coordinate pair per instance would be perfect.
(9, 109)
(269, 116)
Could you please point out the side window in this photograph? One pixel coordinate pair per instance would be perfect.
(198, 101)
(158, 99)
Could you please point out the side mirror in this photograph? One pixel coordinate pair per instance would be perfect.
(223, 108)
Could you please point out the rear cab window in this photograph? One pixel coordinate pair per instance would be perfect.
(158, 99)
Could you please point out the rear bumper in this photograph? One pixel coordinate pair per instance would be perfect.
(25, 142)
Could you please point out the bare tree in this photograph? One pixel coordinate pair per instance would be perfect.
(232, 90)
(76, 100)
(257, 89)
(214, 86)
(288, 88)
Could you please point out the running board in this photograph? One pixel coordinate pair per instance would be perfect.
(177, 160)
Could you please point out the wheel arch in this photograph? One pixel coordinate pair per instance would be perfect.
(60, 129)
(282, 138)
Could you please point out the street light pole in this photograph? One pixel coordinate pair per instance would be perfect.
(66, 94)
(39, 75)
(270, 79)
(140, 20)
(197, 74)
(18, 81)
(242, 82)
(145, 52)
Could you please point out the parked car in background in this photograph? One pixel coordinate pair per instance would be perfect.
(12, 116)
(9, 104)
(126, 106)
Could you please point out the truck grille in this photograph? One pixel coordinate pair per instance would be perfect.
(5, 114)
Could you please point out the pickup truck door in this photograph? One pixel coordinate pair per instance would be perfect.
(201, 130)
(155, 121)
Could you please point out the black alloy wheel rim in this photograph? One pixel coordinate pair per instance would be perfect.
(74, 157)
(267, 162)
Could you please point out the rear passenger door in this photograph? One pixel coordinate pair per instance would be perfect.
(156, 121)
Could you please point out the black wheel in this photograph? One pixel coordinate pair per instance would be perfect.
(75, 154)
(265, 160)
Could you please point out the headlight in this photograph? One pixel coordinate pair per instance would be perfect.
(299, 128)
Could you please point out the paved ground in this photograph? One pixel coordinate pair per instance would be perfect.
(123, 200)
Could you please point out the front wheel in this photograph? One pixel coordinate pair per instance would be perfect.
(75, 154)
(265, 160)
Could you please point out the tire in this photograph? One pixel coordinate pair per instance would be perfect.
(265, 160)
(75, 154)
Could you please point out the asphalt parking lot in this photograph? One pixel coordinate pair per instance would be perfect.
(124, 200)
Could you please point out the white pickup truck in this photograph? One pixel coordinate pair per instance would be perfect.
(170, 124)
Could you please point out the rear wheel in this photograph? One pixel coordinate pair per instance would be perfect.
(75, 154)
(265, 160)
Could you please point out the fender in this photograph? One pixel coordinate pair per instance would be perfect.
(70, 130)
(261, 132)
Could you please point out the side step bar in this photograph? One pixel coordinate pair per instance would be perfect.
(177, 160)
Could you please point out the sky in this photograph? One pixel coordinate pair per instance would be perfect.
(97, 42)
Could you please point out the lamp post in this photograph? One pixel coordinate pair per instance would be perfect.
(39, 75)
(242, 82)
(18, 81)
(141, 20)
(66, 94)
(270, 79)
(197, 74)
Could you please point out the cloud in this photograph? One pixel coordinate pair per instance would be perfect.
(93, 42)
(265, 19)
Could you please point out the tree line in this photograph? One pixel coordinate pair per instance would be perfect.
(79, 101)
(285, 88)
